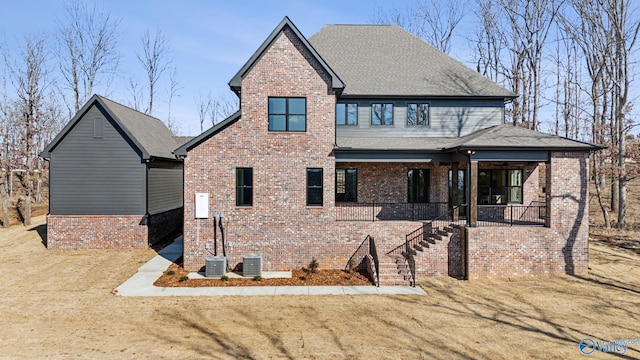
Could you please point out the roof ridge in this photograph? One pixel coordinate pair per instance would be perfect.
(128, 107)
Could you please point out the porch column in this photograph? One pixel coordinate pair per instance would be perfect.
(454, 191)
(473, 193)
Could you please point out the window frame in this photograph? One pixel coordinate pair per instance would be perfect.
(484, 190)
(427, 121)
(315, 187)
(349, 188)
(413, 191)
(345, 113)
(244, 187)
(382, 114)
(287, 114)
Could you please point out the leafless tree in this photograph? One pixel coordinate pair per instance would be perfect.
(87, 49)
(222, 106)
(204, 104)
(29, 77)
(155, 61)
(431, 20)
(172, 92)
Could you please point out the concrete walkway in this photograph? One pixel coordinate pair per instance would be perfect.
(141, 283)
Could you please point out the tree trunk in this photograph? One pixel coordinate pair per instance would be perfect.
(27, 198)
(605, 213)
(5, 200)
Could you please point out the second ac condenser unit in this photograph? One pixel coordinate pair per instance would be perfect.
(252, 265)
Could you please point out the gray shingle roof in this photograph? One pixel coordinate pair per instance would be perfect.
(386, 60)
(149, 134)
(393, 143)
(507, 136)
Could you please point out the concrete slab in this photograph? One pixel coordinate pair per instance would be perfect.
(292, 290)
(224, 291)
(360, 290)
(258, 290)
(326, 290)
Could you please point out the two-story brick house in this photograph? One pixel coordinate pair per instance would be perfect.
(363, 130)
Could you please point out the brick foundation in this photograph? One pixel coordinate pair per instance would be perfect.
(96, 232)
(111, 231)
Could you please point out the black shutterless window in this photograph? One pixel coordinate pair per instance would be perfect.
(346, 185)
(314, 187)
(244, 187)
(287, 114)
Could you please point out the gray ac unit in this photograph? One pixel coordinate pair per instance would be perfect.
(216, 266)
(252, 265)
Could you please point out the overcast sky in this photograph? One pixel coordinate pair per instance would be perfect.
(210, 40)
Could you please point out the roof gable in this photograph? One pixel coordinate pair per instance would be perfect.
(148, 134)
(236, 82)
(385, 60)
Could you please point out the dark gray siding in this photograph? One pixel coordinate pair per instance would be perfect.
(164, 186)
(448, 118)
(96, 176)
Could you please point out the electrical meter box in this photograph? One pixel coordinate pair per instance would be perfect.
(202, 205)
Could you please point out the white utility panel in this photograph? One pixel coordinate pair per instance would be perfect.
(202, 205)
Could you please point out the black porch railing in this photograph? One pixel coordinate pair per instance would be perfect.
(512, 215)
(389, 211)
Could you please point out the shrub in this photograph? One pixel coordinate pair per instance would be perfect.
(257, 278)
(224, 278)
(313, 265)
(183, 278)
(171, 272)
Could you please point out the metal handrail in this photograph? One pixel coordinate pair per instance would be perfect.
(420, 234)
(388, 211)
(512, 215)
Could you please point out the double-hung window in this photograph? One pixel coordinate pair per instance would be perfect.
(381, 114)
(244, 187)
(346, 185)
(417, 114)
(347, 114)
(314, 187)
(287, 114)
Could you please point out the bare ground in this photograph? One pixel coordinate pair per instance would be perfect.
(58, 304)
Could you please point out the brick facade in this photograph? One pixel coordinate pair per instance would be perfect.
(559, 248)
(279, 225)
(111, 231)
(288, 234)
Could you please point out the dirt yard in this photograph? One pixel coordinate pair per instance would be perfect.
(58, 304)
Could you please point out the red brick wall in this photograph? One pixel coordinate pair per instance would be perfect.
(96, 232)
(279, 225)
(560, 248)
(387, 182)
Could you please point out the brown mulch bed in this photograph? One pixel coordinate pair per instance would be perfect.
(322, 277)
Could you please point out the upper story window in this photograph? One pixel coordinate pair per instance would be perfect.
(287, 114)
(417, 114)
(346, 114)
(381, 114)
